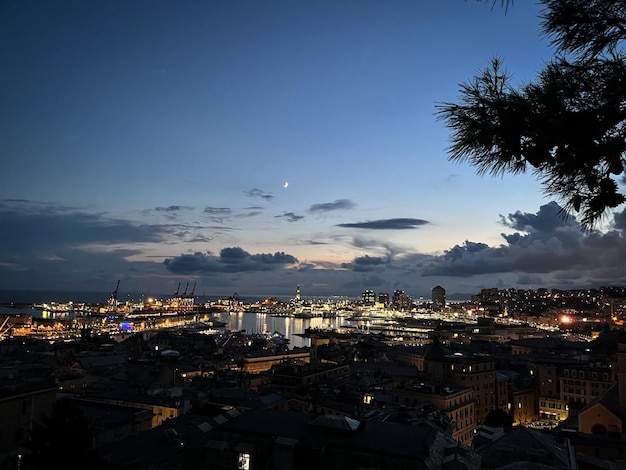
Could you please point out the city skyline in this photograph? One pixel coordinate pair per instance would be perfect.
(252, 147)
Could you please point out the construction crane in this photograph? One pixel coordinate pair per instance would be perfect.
(5, 332)
(177, 289)
(192, 290)
(112, 302)
(185, 293)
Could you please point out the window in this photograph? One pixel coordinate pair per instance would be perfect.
(243, 461)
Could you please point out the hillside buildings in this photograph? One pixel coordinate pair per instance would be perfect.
(468, 392)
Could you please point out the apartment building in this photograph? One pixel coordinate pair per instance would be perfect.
(456, 403)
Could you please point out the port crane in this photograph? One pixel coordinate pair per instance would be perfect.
(112, 302)
(5, 331)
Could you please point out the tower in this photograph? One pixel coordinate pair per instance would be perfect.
(298, 296)
(438, 297)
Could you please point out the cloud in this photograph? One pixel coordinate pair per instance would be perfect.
(217, 210)
(619, 221)
(169, 212)
(387, 224)
(251, 211)
(230, 260)
(366, 263)
(314, 242)
(550, 221)
(52, 246)
(255, 192)
(198, 238)
(218, 215)
(39, 228)
(63, 247)
(457, 252)
(551, 243)
(339, 204)
(246, 215)
(173, 209)
(290, 216)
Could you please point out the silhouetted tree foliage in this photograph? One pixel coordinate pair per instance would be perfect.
(607, 341)
(498, 418)
(61, 439)
(569, 126)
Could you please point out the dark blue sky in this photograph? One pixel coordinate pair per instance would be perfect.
(253, 146)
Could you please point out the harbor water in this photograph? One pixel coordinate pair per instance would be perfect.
(291, 327)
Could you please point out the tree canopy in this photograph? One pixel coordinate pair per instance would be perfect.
(61, 439)
(568, 127)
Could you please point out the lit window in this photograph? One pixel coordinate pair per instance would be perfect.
(243, 462)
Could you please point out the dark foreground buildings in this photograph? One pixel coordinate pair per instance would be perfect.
(481, 395)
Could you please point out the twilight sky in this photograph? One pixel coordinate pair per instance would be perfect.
(251, 146)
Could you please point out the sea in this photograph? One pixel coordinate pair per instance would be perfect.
(22, 302)
(292, 328)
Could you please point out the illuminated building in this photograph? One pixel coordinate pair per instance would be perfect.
(523, 405)
(580, 385)
(438, 297)
(368, 297)
(456, 403)
(475, 372)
